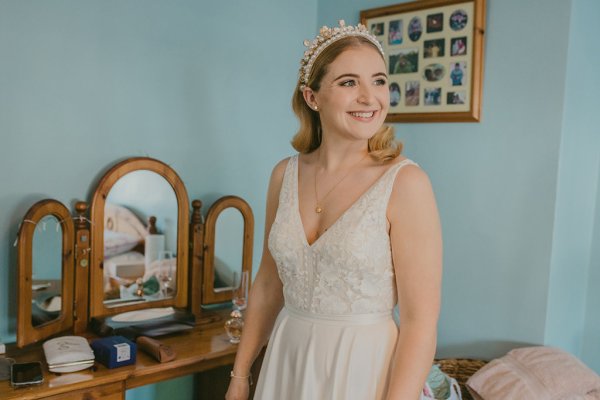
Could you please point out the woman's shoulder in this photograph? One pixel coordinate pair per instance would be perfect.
(404, 162)
(410, 180)
(277, 176)
(279, 169)
(409, 175)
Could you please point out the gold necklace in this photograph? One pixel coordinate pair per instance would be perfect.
(318, 207)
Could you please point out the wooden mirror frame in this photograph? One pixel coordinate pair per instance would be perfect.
(26, 332)
(97, 307)
(209, 296)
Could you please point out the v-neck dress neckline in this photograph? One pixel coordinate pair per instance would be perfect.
(339, 220)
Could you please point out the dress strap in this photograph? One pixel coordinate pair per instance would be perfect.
(391, 177)
(288, 179)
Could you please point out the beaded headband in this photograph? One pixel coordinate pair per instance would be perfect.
(326, 37)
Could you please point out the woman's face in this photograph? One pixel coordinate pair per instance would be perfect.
(354, 97)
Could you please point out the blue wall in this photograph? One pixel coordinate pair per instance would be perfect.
(582, 102)
(591, 345)
(514, 263)
(576, 198)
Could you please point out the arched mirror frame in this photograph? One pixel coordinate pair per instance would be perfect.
(26, 332)
(97, 307)
(209, 296)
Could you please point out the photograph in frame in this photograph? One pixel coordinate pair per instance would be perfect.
(434, 55)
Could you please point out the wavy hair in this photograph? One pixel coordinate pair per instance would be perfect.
(382, 146)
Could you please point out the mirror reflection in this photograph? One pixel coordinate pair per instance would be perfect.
(229, 242)
(140, 239)
(46, 259)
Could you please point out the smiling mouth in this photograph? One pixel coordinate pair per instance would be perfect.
(363, 115)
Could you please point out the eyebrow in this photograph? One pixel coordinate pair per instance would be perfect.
(356, 76)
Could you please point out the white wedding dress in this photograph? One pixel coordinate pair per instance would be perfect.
(335, 337)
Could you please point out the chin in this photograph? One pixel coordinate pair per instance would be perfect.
(364, 135)
(368, 132)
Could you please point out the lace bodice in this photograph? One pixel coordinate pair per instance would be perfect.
(348, 269)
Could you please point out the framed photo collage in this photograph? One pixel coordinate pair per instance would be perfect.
(434, 56)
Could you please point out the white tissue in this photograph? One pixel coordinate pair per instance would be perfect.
(154, 247)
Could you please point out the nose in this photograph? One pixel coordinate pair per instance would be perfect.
(365, 95)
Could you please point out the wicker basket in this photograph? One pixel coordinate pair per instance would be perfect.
(461, 369)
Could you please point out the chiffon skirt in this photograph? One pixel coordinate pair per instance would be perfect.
(315, 357)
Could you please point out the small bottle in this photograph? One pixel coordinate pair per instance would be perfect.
(234, 326)
(140, 287)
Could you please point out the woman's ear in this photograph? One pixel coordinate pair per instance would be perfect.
(310, 98)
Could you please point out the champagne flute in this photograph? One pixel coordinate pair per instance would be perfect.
(240, 290)
(165, 273)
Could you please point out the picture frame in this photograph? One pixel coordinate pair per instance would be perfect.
(434, 56)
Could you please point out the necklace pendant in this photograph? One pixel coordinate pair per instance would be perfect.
(318, 209)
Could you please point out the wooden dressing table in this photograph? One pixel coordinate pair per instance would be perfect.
(205, 348)
(86, 268)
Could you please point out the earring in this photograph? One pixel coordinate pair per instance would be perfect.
(316, 108)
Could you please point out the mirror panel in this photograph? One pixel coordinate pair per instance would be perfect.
(45, 272)
(46, 264)
(139, 239)
(228, 248)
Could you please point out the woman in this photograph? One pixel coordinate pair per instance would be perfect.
(351, 230)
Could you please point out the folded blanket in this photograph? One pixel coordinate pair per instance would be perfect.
(541, 373)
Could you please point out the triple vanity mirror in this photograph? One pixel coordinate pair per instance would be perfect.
(139, 250)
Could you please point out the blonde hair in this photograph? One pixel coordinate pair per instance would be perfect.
(382, 145)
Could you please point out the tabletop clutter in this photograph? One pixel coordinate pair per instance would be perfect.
(74, 353)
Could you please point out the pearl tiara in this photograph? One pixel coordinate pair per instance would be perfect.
(326, 37)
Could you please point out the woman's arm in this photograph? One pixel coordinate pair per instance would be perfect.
(265, 300)
(417, 256)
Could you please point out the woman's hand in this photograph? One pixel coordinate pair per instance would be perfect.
(239, 389)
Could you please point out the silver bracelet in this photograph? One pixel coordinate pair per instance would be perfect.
(249, 377)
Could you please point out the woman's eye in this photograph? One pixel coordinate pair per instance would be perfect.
(348, 83)
(380, 82)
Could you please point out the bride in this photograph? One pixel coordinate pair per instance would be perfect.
(351, 230)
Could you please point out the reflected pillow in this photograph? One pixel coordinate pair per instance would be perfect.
(534, 373)
(118, 242)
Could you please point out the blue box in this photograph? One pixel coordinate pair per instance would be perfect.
(114, 351)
